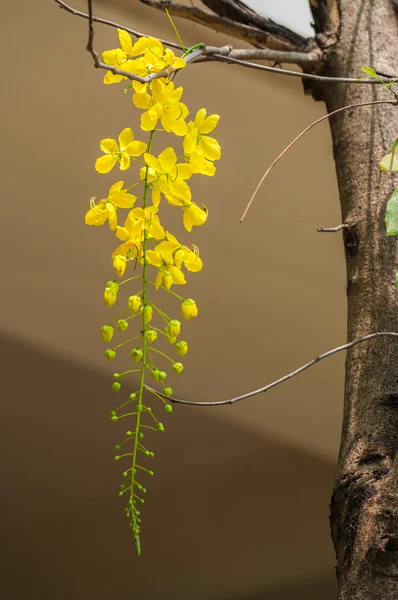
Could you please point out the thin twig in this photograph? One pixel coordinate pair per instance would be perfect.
(322, 78)
(300, 135)
(333, 229)
(138, 34)
(266, 388)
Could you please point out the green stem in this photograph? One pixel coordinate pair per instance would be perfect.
(163, 354)
(144, 350)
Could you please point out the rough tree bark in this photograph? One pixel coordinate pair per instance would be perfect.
(364, 505)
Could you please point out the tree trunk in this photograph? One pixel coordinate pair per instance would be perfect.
(364, 506)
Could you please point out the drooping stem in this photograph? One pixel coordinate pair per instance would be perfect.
(144, 349)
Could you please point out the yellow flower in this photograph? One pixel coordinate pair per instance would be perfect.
(106, 209)
(194, 215)
(170, 177)
(189, 310)
(164, 104)
(174, 252)
(165, 270)
(114, 152)
(195, 137)
(146, 56)
(146, 219)
(119, 264)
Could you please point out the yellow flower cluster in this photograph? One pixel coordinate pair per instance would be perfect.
(143, 241)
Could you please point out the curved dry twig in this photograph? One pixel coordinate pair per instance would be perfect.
(268, 387)
(300, 135)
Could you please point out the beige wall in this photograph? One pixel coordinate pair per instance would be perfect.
(248, 513)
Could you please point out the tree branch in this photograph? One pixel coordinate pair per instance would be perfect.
(300, 135)
(241, 13)
(229, 55)
(247, 33)
(268, 387)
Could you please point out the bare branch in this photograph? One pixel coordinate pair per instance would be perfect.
(248, 33)
(228, 54)
(333, 229)
(268, 387)
(300, 135)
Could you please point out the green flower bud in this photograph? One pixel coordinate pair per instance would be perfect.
(160, 427)
(136, 354)
(114, 418)
(167, 392)
(189, 310)
(107, 333)
(133, 396)
(173, 328)
(116, 386)
(162, 375)
(134, 303)
(110, 293)
(113, 413)
(181, 348)
(117, 447)
(148, 314)
(151, 335)
(129, 433)
(110, 354)
(155, 374)
(122, 325)
(171, 340)
(168, 408)
(151, 473)
(125, 474)
(116, 458)
(116, 375)
(177, 367)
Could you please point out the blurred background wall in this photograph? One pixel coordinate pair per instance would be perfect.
(238, 507)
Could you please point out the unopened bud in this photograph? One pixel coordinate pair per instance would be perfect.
(107, 333)
(148, 314)
(116, 386)
(110, 354)
(173, 328)
(168, 408)
(122, 325)
(155, 374)
(177, 367)
(189, 310)
(134, 303)
(136, 354)
(167, 392)
(119, 264)
(181, 348)
(151, 335)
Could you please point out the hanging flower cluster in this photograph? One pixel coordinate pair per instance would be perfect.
(146, 246)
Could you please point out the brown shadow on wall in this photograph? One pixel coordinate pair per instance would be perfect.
(228, 512)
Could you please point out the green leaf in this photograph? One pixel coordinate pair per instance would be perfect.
(369, 71)
(389, 162)
(392, 214)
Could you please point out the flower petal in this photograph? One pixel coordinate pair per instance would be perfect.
(125, 138)
(125, 41)
(109, 146)
(135, 148)
(209, 124)
(105, 163)
(167, 159)
(124, 161)
(211, 148)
